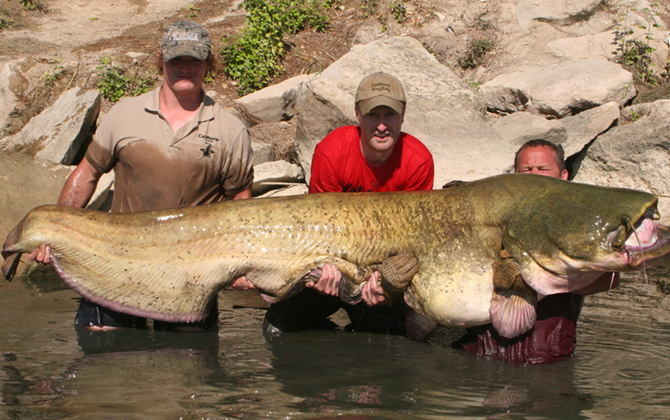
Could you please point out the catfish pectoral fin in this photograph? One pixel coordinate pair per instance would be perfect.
(513, 311)
(419, 328)
(396, 272)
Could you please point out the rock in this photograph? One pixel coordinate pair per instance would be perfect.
(272, 141)
(564, 89)
(563, 13)
(26, 183)
(276, 102)
(272, 175)
(573, 133)
(598, 46)
(521, 127)
(262, 152)
(442, 111)
(633, 155)
(99, 200)
(586, 126)
(12, 84)
(294, 189)
(58, 133)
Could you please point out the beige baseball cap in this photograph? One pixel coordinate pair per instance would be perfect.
(185, 38)
(380, 89)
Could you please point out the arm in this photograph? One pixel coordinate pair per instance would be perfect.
(80, 186)
(77, 191)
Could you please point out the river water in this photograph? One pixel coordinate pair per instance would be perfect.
(49, 371)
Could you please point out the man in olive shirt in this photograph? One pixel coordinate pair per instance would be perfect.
(172, 147)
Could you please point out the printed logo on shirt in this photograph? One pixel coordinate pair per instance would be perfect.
(207, 150)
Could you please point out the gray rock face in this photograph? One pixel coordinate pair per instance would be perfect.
(559, 12)
(275, 103)
(26, 183)
(563, 89)
(57, 134)
(442, 112)
(274, 175)
(634, 155)
(12, 82)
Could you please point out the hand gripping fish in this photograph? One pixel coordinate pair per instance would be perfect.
(483, 252)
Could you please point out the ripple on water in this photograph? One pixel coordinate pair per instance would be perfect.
(623, 348)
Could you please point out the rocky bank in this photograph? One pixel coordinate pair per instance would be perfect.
(551, 74)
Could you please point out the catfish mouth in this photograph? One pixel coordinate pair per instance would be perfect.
(646, 241)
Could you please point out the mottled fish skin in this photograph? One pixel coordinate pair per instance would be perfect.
(169, 264)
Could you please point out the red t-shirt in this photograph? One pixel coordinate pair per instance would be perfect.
(338, 165)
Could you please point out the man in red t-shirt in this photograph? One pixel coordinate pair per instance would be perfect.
(554, 336)
(373, 156)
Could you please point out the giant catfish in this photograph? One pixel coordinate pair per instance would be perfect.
(485, 251)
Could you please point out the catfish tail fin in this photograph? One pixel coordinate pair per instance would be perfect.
(12, 258)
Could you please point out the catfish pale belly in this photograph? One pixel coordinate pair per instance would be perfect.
(553, 236)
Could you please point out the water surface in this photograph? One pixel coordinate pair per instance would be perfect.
(49, 371)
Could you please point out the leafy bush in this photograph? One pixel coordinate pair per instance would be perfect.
(114, 84)
(33, 5)
(253, 58)
(5, 23)
(634, 54)
(475, 54)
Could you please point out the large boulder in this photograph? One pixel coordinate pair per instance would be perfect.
(442, 111)
(275, 175)
(26, 183)
(633, 155)
(274, 103)
(561, 90)
(59, 132)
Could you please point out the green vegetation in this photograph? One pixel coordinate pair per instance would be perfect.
(33, 5)
(634, 116)
(114, 83)
(634, 55)
(5, 23)
(192, 11)
(52, 75)
(398, 10)
(254, 57)
(475, 54)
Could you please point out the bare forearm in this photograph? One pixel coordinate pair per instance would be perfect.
(80, 186)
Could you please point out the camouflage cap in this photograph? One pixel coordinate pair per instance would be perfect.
(380, 89)
(185, 38)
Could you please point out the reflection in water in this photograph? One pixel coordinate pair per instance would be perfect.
(50, 370)
(333, 372)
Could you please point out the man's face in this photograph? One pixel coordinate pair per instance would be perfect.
(184, 74)
(380, 129)
(539, 161)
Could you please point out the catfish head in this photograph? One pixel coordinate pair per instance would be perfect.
(563, 235)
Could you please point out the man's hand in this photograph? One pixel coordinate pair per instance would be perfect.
(373, 293)
(241, 283)
(329, 282)
(41, 254)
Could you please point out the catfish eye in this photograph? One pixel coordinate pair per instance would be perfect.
(617, 238)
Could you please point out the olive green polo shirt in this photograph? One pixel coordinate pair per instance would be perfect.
(155, 168)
